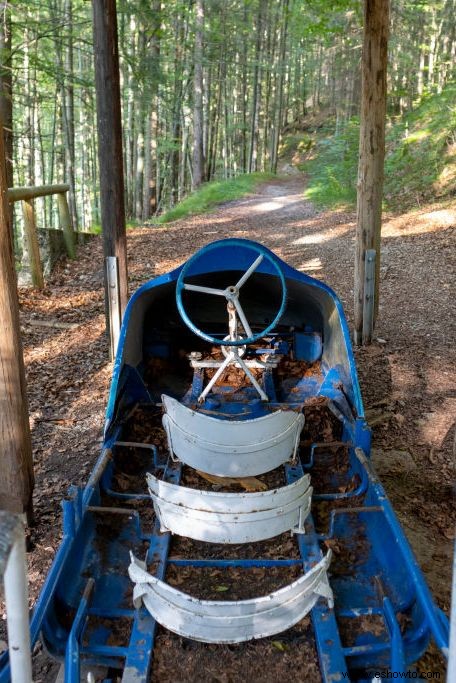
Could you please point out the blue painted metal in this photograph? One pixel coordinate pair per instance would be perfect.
(336, 354)
(72, 653)
(397, 646)
(383, 581)
(308, 346)
(329, 646)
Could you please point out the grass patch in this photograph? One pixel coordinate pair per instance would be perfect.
(95, 228)
(420, 162)
(214, 193)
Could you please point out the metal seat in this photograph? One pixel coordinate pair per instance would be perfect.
(217, 517)
(214, 621)
(233, 448)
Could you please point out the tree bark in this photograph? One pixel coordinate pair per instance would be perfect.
(256, 91)
(110, 138)
(16, 465)
(371, 151)
(150, 161)
(279, 104)
(68, 104)
(198, 133)
(6, 99)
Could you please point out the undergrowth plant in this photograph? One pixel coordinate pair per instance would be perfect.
(420, 161)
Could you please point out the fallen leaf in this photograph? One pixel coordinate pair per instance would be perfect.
(279, 645)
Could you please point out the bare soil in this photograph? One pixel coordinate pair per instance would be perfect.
(407, 375)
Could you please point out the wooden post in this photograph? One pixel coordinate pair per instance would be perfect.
(66, 223)
(16, 465)
(32, 243)
(110, 142)
(371, 150)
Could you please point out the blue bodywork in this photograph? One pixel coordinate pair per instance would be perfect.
(87, 592)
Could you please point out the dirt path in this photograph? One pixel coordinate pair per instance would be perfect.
(407, 376)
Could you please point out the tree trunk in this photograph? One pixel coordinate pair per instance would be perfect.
(68, 100)
(16, 464)
(371, 152)
(6, 100)
(150, 159)
(198, 133)
(256, 91)
(110, 139)
(279, 103)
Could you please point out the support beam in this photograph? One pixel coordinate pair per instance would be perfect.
(16, 464)
(371, 150)
(110, 141)
(33, 247)
(16, 194)
(66, 223)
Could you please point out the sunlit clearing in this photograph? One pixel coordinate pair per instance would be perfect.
(311, 264)
(445, 217)
(317, 238)
(435, 424)
(267, 206)
(419, 222)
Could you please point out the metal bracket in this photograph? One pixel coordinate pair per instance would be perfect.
(113, 297)
(369, 295)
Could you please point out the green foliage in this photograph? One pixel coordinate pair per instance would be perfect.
(332, 170)
(420, 163)
(293, 145)
(421, 152)
(95, 228)
(214, 193)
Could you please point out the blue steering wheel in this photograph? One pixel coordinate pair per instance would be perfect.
(231, 294)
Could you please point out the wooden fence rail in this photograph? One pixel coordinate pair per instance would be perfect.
(26, 196)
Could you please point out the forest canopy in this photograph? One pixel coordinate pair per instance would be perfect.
(266, 69)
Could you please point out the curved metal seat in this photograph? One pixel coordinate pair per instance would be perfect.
(217, 517)
(232, 448)
(213, 621)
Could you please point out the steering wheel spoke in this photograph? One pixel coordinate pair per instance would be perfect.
(204, 290)
(242, 318)
(249, 272)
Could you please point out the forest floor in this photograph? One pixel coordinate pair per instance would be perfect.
(407, 375)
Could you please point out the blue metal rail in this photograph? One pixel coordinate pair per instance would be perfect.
(100, 592)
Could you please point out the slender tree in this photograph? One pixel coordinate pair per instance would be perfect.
(198, 133)
(110, 138)
(371, 152)
(16, 464)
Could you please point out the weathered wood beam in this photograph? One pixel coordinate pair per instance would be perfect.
(66, 224)
(33, 246)
(16, 464)
(371, 153)
(16, 194)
